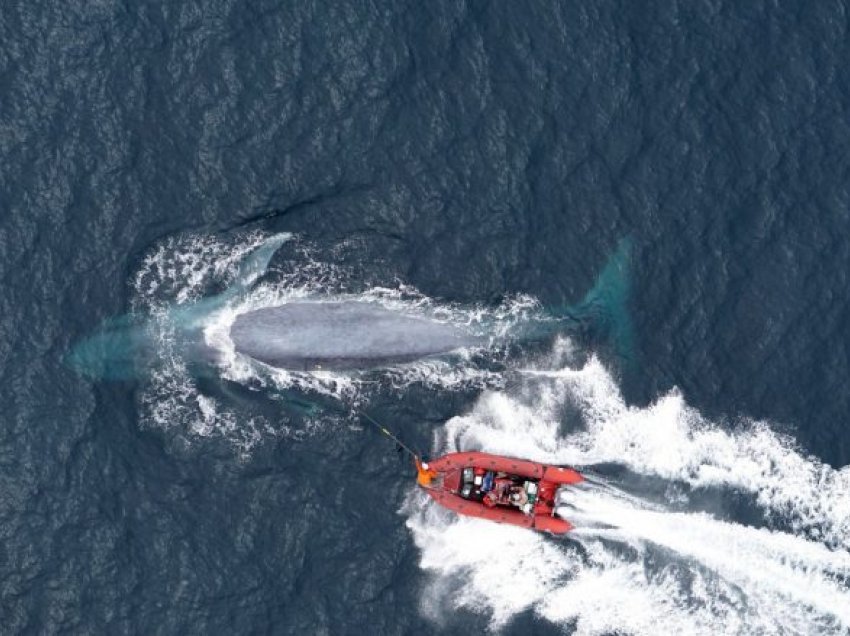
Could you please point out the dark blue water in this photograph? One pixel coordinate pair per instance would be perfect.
(479, 158)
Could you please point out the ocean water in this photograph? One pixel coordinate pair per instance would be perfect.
(644, 210)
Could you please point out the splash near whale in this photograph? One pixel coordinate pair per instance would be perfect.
(301, 326)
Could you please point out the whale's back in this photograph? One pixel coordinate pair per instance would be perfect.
(341, 335)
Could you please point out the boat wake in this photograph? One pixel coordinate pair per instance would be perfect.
(686, 526)
(753, 579)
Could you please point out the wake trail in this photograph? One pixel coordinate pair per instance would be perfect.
(784, 575)
(643, 558)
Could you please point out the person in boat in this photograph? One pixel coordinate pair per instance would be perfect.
(505, 492)
(499, 492)
(518, 497)
(424, 474)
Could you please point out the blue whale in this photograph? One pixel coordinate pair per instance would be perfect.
(342, 336)
(338, 333)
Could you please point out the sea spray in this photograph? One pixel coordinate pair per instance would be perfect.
(638, 564)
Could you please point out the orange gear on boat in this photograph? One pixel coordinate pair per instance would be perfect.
(424, 475)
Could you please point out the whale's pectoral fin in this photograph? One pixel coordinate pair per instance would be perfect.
(121, 348)
(256, 263)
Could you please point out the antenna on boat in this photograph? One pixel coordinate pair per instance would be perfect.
(386, 432)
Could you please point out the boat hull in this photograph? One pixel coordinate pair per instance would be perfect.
(448, 486)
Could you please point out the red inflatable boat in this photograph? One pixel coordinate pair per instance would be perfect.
(498, 488)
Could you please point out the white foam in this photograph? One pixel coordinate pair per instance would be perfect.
(458, 371)
(722, 577)
(178, 272)
(179, 268)
(173, 286)
(787, 579)
(668, 439)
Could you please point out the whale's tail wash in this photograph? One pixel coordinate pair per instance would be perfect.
(603, 313)
(331, 331)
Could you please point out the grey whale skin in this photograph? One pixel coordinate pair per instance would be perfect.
(341, 336)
